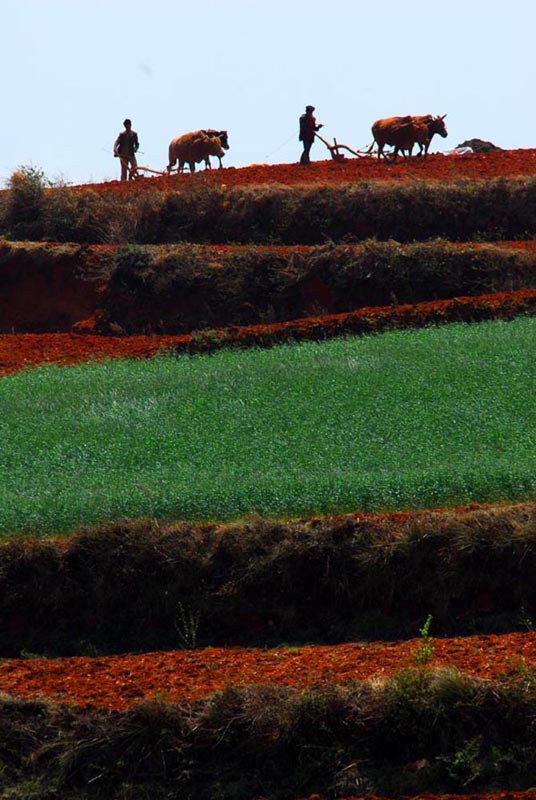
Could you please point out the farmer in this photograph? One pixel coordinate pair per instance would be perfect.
(308, 127)
(125, 148)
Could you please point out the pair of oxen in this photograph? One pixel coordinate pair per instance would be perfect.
(192, 148)
(403, 133)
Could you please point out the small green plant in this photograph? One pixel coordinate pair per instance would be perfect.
(466, 766)
(205, 341)
(422, 654)
(187, 625)
(526, 620)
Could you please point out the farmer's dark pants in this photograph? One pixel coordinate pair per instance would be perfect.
(125, 161)
(306, 148)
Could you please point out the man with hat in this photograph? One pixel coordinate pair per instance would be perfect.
(125, 148)
(308, 127)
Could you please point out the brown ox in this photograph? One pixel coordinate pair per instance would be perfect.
(192, 148)
(434, 125)
(402, 133)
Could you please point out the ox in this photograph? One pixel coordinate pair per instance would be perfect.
(434, 125)
(222, 136)
(192, 148)
(402, 133)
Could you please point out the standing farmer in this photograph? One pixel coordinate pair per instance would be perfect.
(125, 148)
(308, 127)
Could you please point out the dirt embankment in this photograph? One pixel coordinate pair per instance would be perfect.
(42, 295)
(63, 288)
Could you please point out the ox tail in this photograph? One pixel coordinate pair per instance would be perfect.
(172, 158)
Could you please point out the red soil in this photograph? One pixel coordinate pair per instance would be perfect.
(530, 794)
(18, 351)
(500, 163)
(118, 681)
(46, 286)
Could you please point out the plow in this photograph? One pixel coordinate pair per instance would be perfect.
(335, 149)
(134, 173)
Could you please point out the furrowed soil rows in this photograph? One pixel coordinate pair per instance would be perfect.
(529, 795)
(118, 681)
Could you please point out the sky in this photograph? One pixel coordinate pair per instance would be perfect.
(72, 70)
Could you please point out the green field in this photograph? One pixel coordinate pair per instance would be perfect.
(436, 416)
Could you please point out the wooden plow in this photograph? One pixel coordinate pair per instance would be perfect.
(135, 173)
(336, 147)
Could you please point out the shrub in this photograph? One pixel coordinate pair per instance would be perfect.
(26, 203)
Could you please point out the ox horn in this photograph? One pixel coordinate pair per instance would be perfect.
(443, 117)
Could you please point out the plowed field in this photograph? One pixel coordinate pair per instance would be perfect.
(118, 681)
(502, 163)
(529, 795)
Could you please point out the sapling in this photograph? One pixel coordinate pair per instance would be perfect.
(423, 653)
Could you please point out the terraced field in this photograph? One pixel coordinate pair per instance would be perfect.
(357, 654)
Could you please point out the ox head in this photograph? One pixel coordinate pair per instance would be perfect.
(438, 126)
(222, 136)
(215, 147)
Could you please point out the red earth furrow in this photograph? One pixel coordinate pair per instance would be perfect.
(116, 682)
(502, 163)
(530, 794)
(19, 351)
(283, 250)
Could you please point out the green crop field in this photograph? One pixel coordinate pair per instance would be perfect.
(430, 417)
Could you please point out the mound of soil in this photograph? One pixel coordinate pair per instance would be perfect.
(479, 146)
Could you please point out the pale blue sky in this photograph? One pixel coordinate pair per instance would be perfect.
(72, 70)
